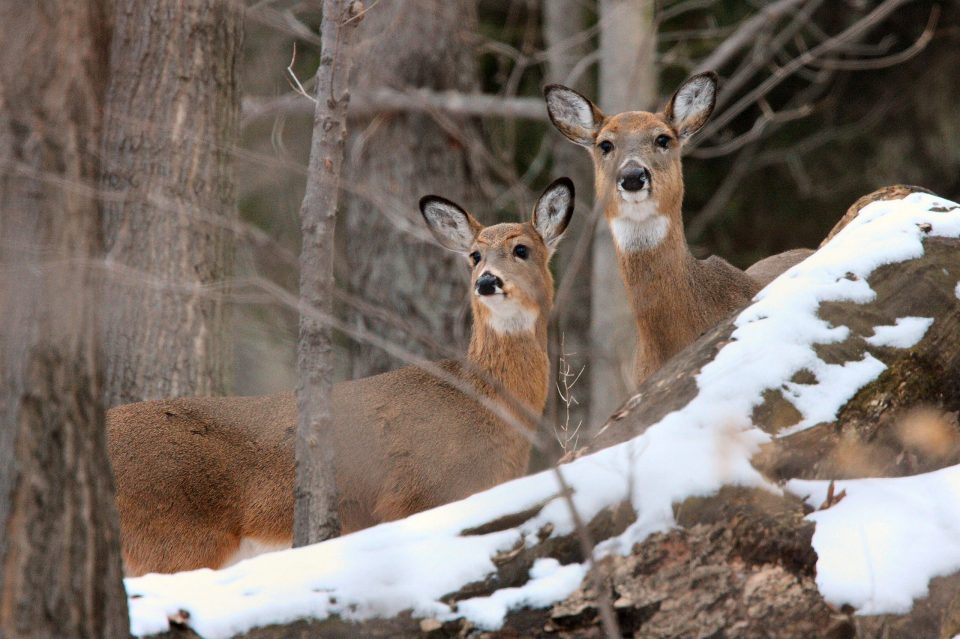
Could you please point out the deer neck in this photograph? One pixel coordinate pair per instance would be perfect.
(512, 362)
(660, 281)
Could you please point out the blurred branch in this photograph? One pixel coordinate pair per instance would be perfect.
(850, 34)
(745, 35)
(368, 103)
(283, 21)
(879, 63)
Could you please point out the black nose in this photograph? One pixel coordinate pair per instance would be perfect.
(634, 178)
(487, 283)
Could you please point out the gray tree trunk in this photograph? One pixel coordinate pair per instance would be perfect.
(627, 83)
(171, 123)
(60, 572)
(316, 507)
(563, 21)
(386, 255)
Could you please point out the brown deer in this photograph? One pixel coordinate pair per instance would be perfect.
(639, 182)
(204, 481)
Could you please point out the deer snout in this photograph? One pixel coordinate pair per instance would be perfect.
(488, 283)
(633, 177)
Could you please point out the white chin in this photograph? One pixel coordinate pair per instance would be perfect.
(633, 197)
(508, 316)
(639, 226)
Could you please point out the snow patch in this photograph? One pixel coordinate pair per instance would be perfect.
(879, 547)
(694, 451)
(905, 333)
(549, 582)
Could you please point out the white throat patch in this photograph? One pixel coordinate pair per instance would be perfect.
(508, 316)
(639, 226)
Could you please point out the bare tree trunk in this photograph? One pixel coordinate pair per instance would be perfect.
(60, 573)
(627, 82)
(563, 21)
(396, 158)
(172, 113)
(316, 515)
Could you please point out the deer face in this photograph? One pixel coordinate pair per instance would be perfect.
(511, 281)
(636, 156)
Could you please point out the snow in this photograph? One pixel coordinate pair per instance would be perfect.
(882, 543)
(956, 291)
(549, 582)
(411, 564)
(905, 333)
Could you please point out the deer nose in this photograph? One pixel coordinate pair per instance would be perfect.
(488, 283)
(634, 178)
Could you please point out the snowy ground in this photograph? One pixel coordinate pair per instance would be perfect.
(878, 547)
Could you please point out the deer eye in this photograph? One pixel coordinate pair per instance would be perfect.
(521, 251)
(605, 147)
(662, 141)
(475, 257)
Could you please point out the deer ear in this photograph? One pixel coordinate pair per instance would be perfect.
(692, 104)
(575, 116)
(553, 211)
(454, 228)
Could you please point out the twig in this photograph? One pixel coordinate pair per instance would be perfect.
(295, 81)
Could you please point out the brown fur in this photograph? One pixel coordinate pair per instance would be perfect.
(675, 297)
(196, 475)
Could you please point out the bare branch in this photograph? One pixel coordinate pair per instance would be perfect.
(745, 34)
(880, 63)
(385, 100)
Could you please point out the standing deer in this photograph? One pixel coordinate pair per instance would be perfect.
(204, 481)
(639, 182)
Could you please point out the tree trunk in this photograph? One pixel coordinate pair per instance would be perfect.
(171, 123)
(627, 83)
(316, 516)
(60, 573)
(563, 21)
(394, 160)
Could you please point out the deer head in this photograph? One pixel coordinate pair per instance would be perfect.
(511, 281)
(636, 156)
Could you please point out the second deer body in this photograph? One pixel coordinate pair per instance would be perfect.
(639, 184)
(203, 482)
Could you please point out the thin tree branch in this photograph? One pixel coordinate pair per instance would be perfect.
(384, 100)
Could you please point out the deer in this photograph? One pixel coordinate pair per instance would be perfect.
(204, 482)
(639, 183)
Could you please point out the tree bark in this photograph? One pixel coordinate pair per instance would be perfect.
(316, 516)
(60, 572)
(627, 83)
(394, 160)
(171, 123)
(563, 21)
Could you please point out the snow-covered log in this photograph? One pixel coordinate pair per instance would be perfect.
(706, 497)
